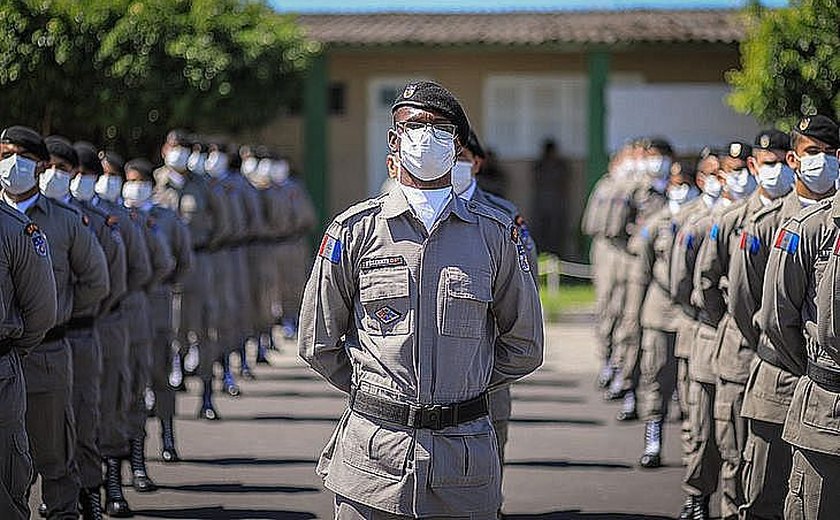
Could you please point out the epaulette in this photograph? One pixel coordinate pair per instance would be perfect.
(774, 206)
(489, 212)
(502, 204)
(12, 212)
(357, 209)
(811, 211)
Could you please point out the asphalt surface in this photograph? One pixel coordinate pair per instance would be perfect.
(567, 456)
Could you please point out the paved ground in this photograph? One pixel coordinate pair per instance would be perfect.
(567, 458)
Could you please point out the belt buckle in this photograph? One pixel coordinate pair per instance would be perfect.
(432, 416)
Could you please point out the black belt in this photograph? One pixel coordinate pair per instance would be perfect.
(80, 323)
(768, 354)
(55, 334)
(429, 417)
(825, 377)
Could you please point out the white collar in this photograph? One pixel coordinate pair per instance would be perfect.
(23, 205)
(470, 191)
(427, 204)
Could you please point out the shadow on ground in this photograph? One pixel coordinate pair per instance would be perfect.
(248, 461)
(562, 464)
(201, 513)
(579, 515)
(237, 487)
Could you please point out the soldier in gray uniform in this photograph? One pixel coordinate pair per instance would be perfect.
(659, 316)
(27, 312)
(646, 198)
(767, 458)
(189, 196)
(797, 314)
(398, 282)
(137, 194)
(81, 276)
(465, 186)
(81, 334)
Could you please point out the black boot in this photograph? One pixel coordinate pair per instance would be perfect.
(628, 408)
(244, 368)
(115, 504)
(167, 434)
(208, 411)
(43, 510)
(651, 458)
(701, 508)
(139, 478)
(91, 501)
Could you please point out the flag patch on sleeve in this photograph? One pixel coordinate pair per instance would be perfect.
(787, 241)
(750, 243)
(330, 249)
(837, 247)
(714, 233)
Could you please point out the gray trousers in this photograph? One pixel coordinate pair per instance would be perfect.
(731, 437)
(115, 385)
(814, 486)
(15, 462)
(199, 312)
(629, 336)
(162, 353)
(767, 463)
(683, 384)
(703, 460)
(224, 287)
(658, 374)
(87, 378)
(140, 368)
(52, 427)
(346, 509)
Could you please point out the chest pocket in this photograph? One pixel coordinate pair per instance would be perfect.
(385, 297)
(464, 300)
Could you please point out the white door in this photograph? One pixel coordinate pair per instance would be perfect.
(381, 95)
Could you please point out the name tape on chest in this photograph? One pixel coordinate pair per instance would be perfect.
(787, 241)
(330, 249)
(379, 263)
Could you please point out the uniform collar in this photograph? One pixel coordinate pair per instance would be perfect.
(395, 204)
(835, 205)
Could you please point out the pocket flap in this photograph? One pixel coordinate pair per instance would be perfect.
(469, 286)
(383, 284)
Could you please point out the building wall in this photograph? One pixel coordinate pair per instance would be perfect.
(464, 72)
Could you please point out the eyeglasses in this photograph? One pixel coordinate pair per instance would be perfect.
(439, 130)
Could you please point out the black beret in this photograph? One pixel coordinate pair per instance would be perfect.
(821, 128)
(88, 157)
(141, 166)
(474, 146)
(433, 97)
(739, 150)
(660, 145)
(113, 159)
(28, 139)
(178, 137)
(62, 148)
(772, 139)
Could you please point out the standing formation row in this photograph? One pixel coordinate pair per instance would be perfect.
(716, 285)
(151, 273)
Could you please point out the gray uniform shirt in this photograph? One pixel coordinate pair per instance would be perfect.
(422, 318)
(27, 284)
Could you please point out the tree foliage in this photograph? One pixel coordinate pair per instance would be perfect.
(122, 72)
(790, 65)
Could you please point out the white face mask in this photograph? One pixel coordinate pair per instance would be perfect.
(279, 171)
(17, 174)
(54, 183)
(196, 163)
(712, 186)
(776, 179)
(176, 158)
(462, 176)
(739, 184)
(108, 187)
(658, 166)
(426, 155)
(819, 172)
(217, 164)
(81, 187)
(136, 193)
(249, 165)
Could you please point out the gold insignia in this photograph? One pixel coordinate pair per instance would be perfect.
(734, 150)
(804, 124)
(409, 91)
(764, 141)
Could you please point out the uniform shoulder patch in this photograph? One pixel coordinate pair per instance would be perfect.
(39, 242)
(31, 229)
(330, 248)
(714, 233)
(85, 220)
(787, 241)
(112, 221)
